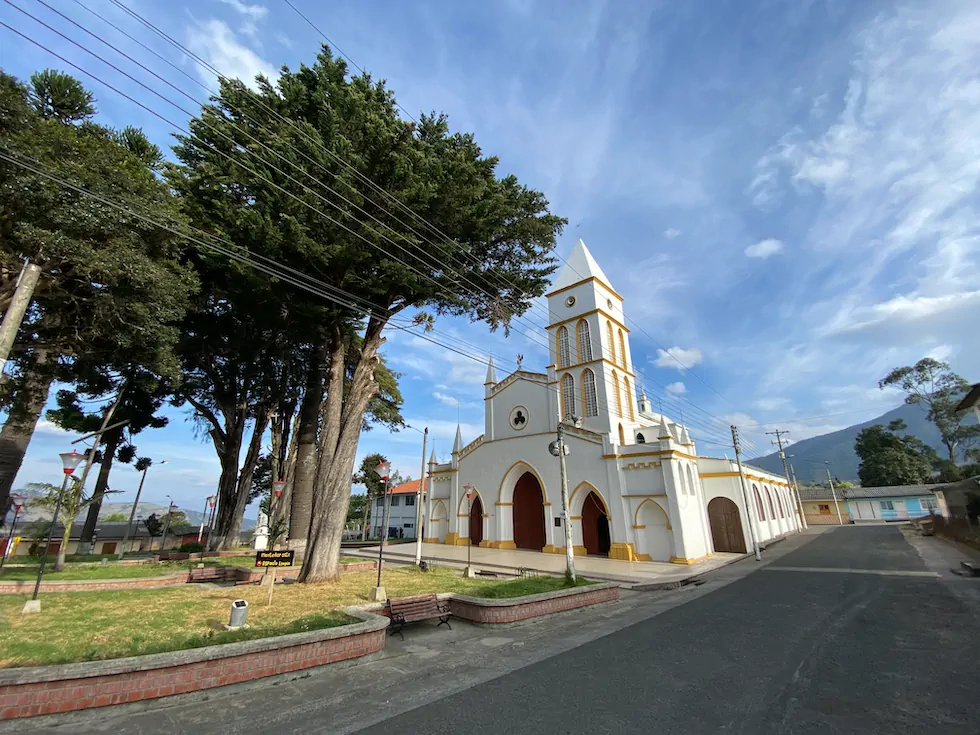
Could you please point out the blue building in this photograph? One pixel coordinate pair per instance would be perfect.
(892, 503)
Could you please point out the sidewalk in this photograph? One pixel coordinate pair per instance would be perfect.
(593, 567)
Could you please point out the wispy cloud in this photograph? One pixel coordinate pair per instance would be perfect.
(676, 389)
(764, 248)
(217, 44)
(671, 232)
(678, 358)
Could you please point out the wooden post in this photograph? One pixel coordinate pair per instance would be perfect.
(272, 584)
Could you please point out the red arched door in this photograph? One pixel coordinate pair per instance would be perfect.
(529, 513)
(595, 526)
(726, 526)
(476, 520)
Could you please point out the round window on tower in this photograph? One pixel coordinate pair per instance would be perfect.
(609, 304)
(570, 301)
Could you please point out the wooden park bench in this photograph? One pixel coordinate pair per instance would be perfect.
(211, 574)
(414, 609)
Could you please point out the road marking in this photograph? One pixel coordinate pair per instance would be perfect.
(835, 570)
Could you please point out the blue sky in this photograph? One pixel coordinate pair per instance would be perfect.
(784, 193)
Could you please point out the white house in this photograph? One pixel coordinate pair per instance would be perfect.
(638, 489)
(402, 515)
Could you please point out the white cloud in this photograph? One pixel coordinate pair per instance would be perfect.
(678, 358)
(772, 404)
(764, 248)
(676, 389)
(52, 429)
(443, 398)
(255, 12)
(670, 233)
(217, 44)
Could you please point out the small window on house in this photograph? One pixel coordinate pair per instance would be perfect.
(379, 502)
(395, 501)
(409, 500)
(408, 525)
(640, 439)
(930, 504)
(887, 505)
(825, 508)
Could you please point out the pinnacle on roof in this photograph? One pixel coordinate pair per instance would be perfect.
(458, 444)
(664, 431)
(491, 375)
(685, 436)
(578, 266)
(432, 457)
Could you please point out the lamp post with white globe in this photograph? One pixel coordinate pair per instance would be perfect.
(69, 461)
(383, 470)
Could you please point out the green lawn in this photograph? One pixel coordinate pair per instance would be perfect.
(112, 624)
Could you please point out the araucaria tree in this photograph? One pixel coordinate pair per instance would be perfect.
(933, 384)
(112, 287)
(320, 173)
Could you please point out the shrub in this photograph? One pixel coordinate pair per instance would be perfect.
(192, 547)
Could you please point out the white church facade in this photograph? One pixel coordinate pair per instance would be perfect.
(638, 489)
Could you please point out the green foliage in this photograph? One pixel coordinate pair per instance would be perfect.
(890, 459)
(154, 526)
(57, 95)
(114, 518)
(191, 547)
(178, 519)
(932, 383)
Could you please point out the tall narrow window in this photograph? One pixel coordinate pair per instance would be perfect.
(568, 395)
(584, 342)
(619, 397)
(772, 508)
(612, 345)
(622, 435)
(563, 356)
(759, 509)
(779, 502)
(622, 349)
(629, 397)
(589, 394)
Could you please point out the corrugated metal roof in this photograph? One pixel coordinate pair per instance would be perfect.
(891, 491)
(816, 493)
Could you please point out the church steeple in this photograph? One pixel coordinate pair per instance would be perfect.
(458, 444)
(491, 374)
(579, 266)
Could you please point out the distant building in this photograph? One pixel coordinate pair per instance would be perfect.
(891, 503)
(403, 515)
(820, 508)
(954, 497)
(108, 538)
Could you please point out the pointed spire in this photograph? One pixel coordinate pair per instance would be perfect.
(579, 266)
(664, 431)
(458, 444)
(685, 437)
(491, 375)
(432, 457)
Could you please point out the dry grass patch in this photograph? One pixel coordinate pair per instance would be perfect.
(87, 626)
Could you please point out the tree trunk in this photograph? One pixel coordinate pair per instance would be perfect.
(101, 485)
(19, 427)
(287, 470)
(233, 536)
(365, 531)
(301, 502)
(228, 481)
(342, 422)
(59, 563)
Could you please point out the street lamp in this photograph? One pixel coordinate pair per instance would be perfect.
(69, 461)
(122, 549)
(560, 449)
(383, 470)
(166, 524)
(469, 534)
(18, 504)
(212, 504)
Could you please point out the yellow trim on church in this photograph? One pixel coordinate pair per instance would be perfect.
(578, 317)
(605, 285)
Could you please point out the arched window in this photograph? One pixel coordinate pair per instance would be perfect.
(568, 395)
(584, 342)
(589, 394)
(622, 349)
(622, 435)
(691, 481)
(772, 508)
(563, 355)
(759, 509)
(609, 339)
(629, 397)
(640, 439)
(779, 502)
(619, 397)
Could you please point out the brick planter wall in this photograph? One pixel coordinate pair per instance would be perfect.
(44, 690)
(481, 610)
(89, 585)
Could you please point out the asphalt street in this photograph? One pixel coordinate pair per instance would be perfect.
(848, 634)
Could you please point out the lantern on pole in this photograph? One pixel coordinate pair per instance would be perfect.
(469, 537)
(383, 470)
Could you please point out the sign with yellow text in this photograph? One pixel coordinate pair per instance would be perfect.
(274, 558)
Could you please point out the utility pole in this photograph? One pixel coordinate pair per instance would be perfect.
(782, 455)
(566, 511)
(418, 503)
(833, 492)
(796, 487)
(14, 316)
(745, 494)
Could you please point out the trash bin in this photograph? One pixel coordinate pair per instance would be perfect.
(239, 612)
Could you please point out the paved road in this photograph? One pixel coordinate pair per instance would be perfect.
(779, 651)
(855, 630)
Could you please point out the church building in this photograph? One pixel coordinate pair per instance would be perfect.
(638, 489)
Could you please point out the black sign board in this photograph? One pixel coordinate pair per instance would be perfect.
(274, 558)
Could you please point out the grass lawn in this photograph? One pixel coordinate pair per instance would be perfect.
(113, 624)
(114, 570)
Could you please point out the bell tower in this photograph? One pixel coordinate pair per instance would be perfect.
(589, 347)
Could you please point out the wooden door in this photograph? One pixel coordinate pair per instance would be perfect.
(595, 526)
(109, 547)
(476, 521)
(726, 526)
(529, 532)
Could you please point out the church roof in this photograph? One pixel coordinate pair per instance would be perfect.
(579, 265)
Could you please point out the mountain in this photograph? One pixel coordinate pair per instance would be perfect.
(108, 508)
(838, 447)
